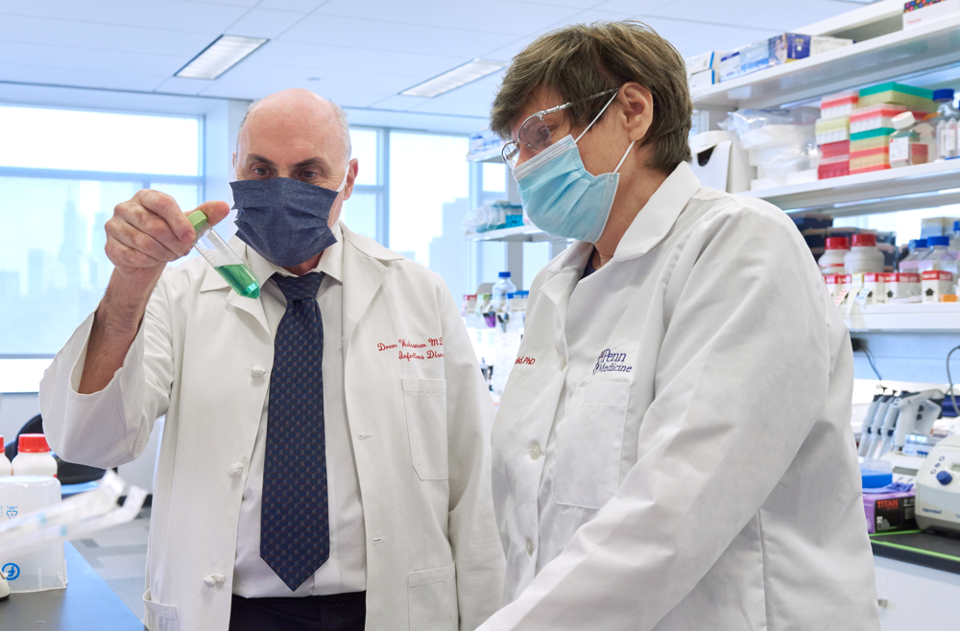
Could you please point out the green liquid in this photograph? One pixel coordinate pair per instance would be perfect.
(240, 278)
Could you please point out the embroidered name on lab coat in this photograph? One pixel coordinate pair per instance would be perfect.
(610, 361)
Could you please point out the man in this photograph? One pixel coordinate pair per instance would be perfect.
(674, 450)
(323, 462)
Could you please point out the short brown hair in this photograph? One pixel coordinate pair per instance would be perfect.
(581, 60)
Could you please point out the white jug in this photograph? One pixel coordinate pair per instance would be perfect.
(34, 571)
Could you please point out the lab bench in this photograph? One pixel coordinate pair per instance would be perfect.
(86, 603)
(918, 579)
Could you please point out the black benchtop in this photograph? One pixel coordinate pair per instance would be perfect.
(933, 550)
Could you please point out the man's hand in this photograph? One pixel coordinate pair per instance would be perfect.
(144, 234)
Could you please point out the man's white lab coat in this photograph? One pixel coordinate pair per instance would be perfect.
(673, 448)
(419, 423)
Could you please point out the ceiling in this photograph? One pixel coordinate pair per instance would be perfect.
(359, 53)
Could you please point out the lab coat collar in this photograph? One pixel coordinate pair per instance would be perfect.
(364, 264)
(659, 214)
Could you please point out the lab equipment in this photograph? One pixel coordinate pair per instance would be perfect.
(938, 256)
(883, 432)
(873, 422)
(903, 467)
(889, 511)
(224, 260)
(918, 413)
(915, 99)
(912, 260)
(4, 463)
(863, 256)
(43, 568)
(946, 125)
(832, 261)
(500, 290)
(833, 130)
(875, 474)
(906, 147)
(839, 104)
(34, 457)
(938, 487)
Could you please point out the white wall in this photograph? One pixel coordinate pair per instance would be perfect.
(15, 410)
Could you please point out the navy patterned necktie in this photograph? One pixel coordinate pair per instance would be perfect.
(294, 524)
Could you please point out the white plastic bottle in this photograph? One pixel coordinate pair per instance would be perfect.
(909, 264)
(34, 457)
(863, 257)
(946, 125)
(4, 463)
(906, 147)
(831, 261)
(500, 290)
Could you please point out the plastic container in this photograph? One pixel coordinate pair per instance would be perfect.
(500, 290)
(829, 130)
(839, 104)
(916, 99)
(864, 256)
(835, 149)
(833, 167)
(832, 260)
(910, 262)
(906, 148)
(945, 124)
(874, 117)
(938, 257)
(34, 457)
(873, 139)
(870, 160)
(4, 463)
(955, 239)
(42, 569)
(227, 263)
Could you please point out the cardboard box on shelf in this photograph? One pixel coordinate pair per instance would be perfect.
(703, 62)
(920, 12)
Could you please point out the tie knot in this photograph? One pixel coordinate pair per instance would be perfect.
(299, 287)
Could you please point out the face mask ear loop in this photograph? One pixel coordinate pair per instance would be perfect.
(597, 117)
(625, 156)
(344, 182)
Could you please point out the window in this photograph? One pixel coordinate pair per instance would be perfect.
(365, 211)
(429, 196)
(61, 174)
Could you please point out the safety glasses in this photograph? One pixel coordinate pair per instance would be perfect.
(534, 134)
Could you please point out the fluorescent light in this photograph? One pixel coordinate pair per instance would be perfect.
(453, 79)
(224, 53)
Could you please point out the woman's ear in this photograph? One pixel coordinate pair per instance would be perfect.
(637, 105)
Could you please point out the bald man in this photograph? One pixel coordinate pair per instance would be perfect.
(324, 463)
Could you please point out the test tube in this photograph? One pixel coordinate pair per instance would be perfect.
(222, 258)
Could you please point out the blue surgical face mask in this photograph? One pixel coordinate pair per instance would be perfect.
(283, 219)
(561, 197)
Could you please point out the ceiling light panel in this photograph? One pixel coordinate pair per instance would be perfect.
(453, 79)
(225, 52)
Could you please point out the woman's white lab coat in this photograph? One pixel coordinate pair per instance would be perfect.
(419, 424)
(673, 448)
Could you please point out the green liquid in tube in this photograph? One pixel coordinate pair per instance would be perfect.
(240, 278)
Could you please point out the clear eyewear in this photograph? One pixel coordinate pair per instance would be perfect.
(534, 133)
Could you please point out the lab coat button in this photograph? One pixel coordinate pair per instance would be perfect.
(535, 451)
(258, 371)
(530, 547)
(235, 469)
(213, 580)
(563, 362)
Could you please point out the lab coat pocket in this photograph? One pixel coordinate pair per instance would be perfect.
(586, 470)
(433, 599)
(425, 406)
(159, 617)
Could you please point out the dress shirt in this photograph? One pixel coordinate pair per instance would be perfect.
(346, 568)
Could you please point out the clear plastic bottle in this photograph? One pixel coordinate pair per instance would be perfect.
(4, 463)
(945, 124)
(222, 258)
(938, 257)
(955, 239)
(34, 457)
(500, 290)
(831, 261)
(863, 257)
(909, 264)
(906, 147)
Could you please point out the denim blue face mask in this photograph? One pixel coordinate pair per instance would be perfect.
(561, 197)
(284, 220)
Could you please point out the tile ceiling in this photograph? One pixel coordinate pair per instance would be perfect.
(360, 53)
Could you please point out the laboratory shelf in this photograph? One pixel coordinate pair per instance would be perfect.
(925, 56)
(905, 188)
(915, 317)
(517, 233)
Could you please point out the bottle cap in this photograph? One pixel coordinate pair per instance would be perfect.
(956, 226)
(865, 240)
(904, 120)
(504, 274)
(932, 241)
(33, 444)
(199, 221)
(921, 243)
(943, 95)
(838, 243)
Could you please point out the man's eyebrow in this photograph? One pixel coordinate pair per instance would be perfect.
(313, 161)
(257, 158)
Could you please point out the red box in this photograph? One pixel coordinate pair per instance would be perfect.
(835, 149)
